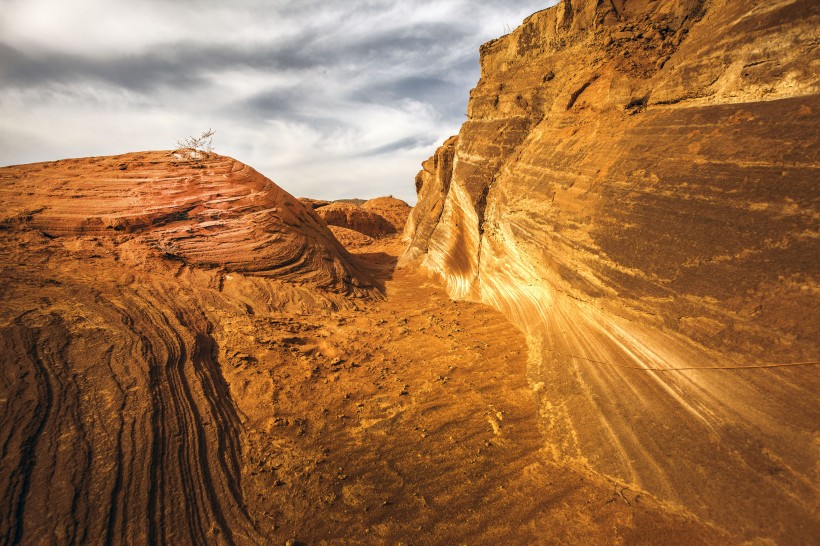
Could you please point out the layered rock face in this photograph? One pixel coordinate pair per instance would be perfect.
(636, 188)
(216, 213)
(375, 218)
(126, 282)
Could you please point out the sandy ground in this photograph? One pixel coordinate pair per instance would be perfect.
(410, 420)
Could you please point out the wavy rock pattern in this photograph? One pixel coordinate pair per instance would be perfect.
(636, 189)
(215, 213)
(119, 277)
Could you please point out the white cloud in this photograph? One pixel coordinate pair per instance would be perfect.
(329, 99)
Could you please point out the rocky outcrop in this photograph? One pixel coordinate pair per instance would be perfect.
(125, 283)
(215, 213)
(395, 211)
(635, 187)
(432, 186)
(314, 203)
(357, 218)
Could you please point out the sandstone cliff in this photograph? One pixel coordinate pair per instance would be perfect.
(636, 188)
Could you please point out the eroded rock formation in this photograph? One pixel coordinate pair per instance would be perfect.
(391, 209)
(354, 217)
(375, 218)
(214, 213)
(636, 188)
(124, 280)
(180, 395)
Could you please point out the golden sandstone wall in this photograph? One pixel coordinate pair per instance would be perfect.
(636, 188)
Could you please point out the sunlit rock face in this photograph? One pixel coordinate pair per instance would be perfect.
(213, 213)
(636, 187)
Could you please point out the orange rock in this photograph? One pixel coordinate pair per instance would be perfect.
(217, 213)
(357, 218)
(391, 209)
(645, 216)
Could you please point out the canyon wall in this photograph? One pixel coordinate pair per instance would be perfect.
(636, 188)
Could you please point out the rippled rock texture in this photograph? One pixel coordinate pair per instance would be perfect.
(122, 281)
(214, 213)
(636, 188)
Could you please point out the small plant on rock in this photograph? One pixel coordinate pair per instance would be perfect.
(196, 148)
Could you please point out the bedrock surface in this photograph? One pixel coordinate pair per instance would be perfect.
(121, 279)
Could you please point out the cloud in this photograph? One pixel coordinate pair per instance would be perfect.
(329, 99)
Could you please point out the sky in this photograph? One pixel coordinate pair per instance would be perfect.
(329, 99)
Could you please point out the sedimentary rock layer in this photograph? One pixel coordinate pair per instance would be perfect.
(636, 187)
(210, 213)
(121, 280)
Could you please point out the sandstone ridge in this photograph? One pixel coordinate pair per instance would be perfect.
(213, 213)
(636, 188)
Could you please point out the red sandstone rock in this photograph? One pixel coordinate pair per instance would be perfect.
(357, 218)
(217, 213)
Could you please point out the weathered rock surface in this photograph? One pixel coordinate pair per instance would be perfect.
(350, 238)
(150, 398)
(636, 188)
(357, 218)
(216, 213)
(391, 209)
(123, 279)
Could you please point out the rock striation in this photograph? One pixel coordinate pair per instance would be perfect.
(636, 188)
(149, 396)
(214, 213)
(123, 282)
(376, 218)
